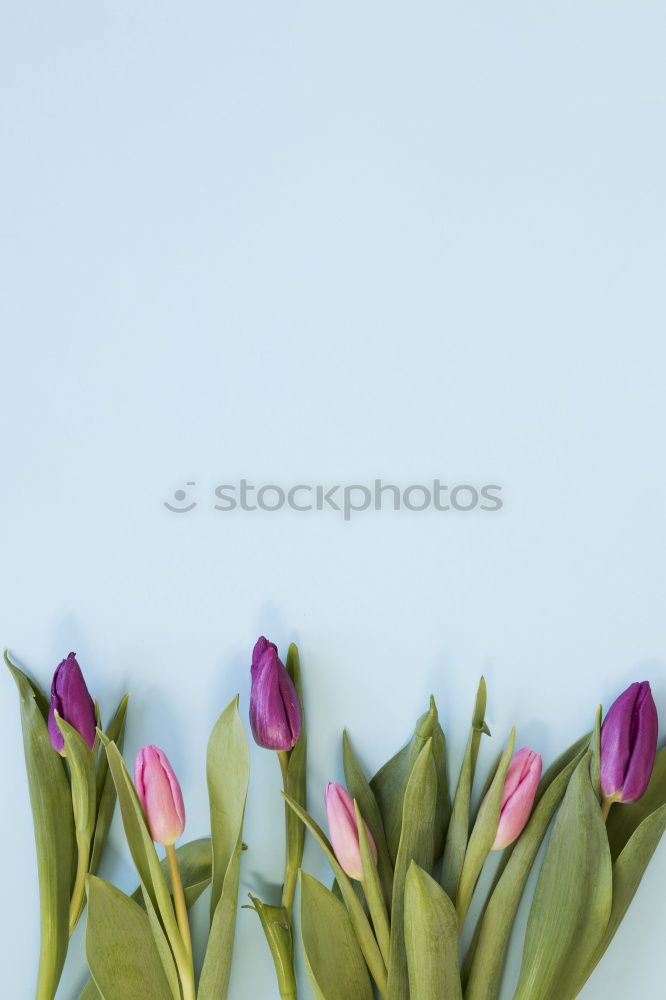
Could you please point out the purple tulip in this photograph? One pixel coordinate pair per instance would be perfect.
(343, 831)
(520, 788)
(629, 744)
(160, 795)
(71, 699)
(275, 712)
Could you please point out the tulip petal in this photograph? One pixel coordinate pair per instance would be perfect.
(629, 744)
(275, 713)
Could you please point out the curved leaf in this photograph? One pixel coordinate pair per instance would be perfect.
(458, 831)
(390, 782)
(195, 864)
(431, 939)
(357, 915)
(359, 788)
(51, 802)
(333, 958)
(483, 834)
(106, 790)
(628, 872)
(228, 771)
(120, 948)
(488, 953)
(572, 902)
(416, 844)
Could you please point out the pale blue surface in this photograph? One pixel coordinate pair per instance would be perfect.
(328, 242)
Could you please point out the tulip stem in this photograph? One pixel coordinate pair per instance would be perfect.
(283, 757)
(79, 891)
(290, 872)
(187, 974)
(606, 808)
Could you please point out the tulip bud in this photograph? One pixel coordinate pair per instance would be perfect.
(629, 744)
(520, 787)
(275, 711)
(344, 831)
(160, 795)
(71, 699)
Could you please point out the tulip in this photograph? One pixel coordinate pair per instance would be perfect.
(160, 795)
(343, 831)
(629, 744)
(520, 787)
(71, 699)
(275, 711)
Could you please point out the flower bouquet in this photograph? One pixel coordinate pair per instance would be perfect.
(406, 856)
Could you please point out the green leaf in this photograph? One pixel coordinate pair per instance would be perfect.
(572, 902)
(195, 863)
(628, 872)
(390, 782)
(360, 923)
(51, 803)
(373, 888)
(417, 843)
(359, 788)
(458, 831)
(483, 834)
(82, 770)
(488, 952)
(595, 746)
(121, 952)
(624, 819)
(333, 959)
(431, 939)
(296, 787)
(106, 790)
(228, 772)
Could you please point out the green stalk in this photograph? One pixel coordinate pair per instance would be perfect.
(184, 962)
(291, 867)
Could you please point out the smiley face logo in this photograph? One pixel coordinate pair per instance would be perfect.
(180, 496)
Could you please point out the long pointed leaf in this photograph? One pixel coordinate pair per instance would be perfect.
(417, 843)
(195, 864)
(333, 958)
(628, 872)
(483, 834)
(390, 782)
(359, 788)
(431, 939)
(106, 790)
(357, 915)
(572, 902)
(458, 831)
(120, 948)
(228, 771)
(489, 952)
(51, 802)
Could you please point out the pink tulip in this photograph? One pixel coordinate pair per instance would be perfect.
(520, 788)
(344, 831)
(160, 795)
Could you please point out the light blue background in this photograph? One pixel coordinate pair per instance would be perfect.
(327, 242)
